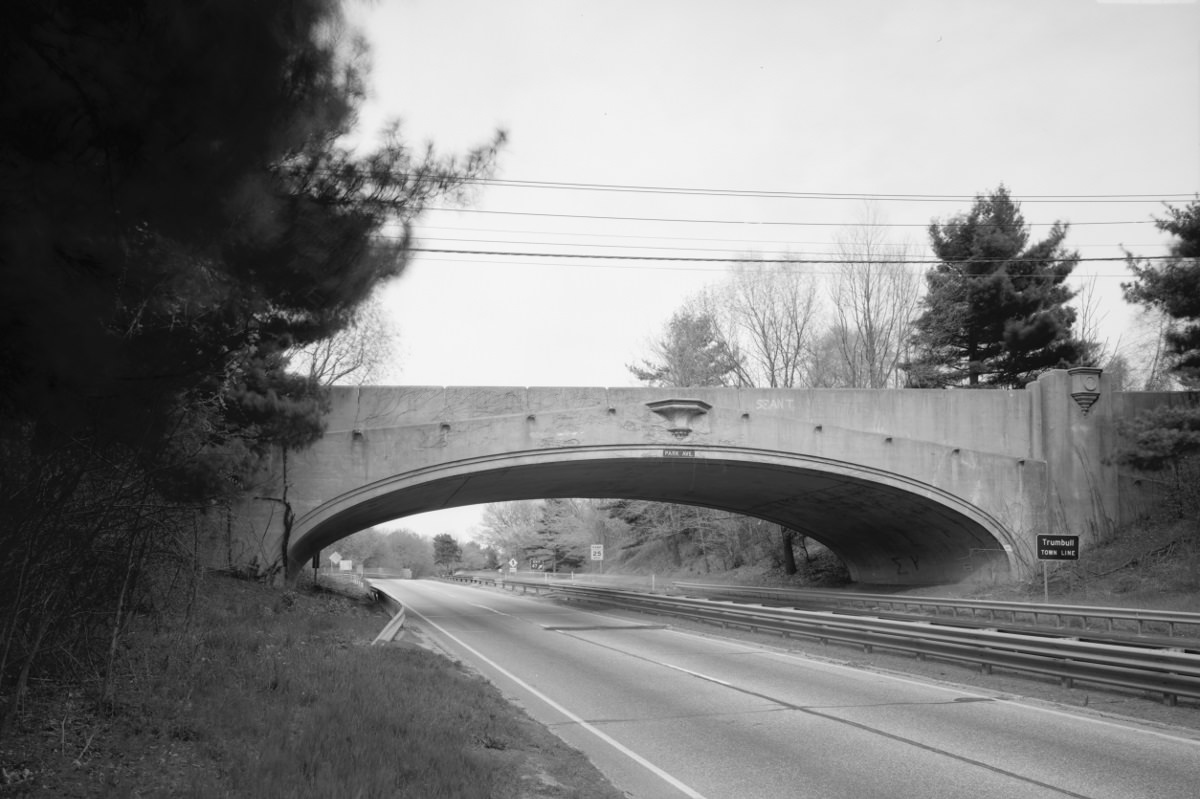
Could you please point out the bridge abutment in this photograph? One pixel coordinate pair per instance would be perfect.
(1075, 433)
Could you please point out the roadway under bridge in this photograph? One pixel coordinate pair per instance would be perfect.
(906, 486)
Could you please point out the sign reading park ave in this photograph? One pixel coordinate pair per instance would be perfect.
(679, 453)
(1058, 547)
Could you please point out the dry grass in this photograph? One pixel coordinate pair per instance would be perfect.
(269, 694)
(1154, 565)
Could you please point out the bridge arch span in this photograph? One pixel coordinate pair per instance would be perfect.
(886, 527)
(911, 486)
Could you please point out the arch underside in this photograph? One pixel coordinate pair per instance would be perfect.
(886, 529)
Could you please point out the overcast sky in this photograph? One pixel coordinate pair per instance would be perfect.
(947, 98)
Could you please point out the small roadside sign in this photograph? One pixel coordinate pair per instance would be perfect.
(512, 564)
(1058, 547)
(335, 558)
(597, 551)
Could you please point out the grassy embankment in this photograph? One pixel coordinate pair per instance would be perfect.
(257, 693)
(1155, 565)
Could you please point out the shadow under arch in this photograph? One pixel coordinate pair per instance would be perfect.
(885, 527)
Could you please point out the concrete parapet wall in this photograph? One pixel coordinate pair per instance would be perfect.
(986, 421)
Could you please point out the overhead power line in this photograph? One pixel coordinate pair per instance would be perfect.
(776, 246)
(424, 232)
(712, 268)
(819, 195)
(779, 244)
(736, 221)
(871, 196)
(776, 260)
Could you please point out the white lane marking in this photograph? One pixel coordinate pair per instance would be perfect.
(1129, 723)
(493, 610)
(620, 747)
(698, 675)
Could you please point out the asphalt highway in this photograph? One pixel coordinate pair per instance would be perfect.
(670, 714)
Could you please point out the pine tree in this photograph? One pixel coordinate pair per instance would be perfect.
(1168, 437)
(177, 210)
(690, 353)
(996, 312)
(177, 213)
(1174, 288)
(446, 552)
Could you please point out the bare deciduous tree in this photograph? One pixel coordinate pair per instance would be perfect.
(1144, 349)
(511, 527)
(827, 364)
(875, 294)
(770, 313)
(1089, 322)
(357, 355)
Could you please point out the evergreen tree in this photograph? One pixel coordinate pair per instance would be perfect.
(995, 313)
(177, 213)
(1169, 436)
(446, 551)
(1174, 288)
(558, 538)
(690, 353)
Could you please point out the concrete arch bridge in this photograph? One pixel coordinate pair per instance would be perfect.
(906, 486)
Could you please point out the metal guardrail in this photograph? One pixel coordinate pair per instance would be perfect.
(395, 627)
(1167, 672)
(1173, 622)
(335, 577)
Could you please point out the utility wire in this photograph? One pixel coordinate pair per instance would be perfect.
(774, 245)
(702, 267)
(781, 245)
(630, 188)
(421, 233)
(777, 260)
(818, 195)
(734, 221)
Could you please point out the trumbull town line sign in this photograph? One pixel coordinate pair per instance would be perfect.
(1055, 547)
(1058, 547)
(905, 486)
